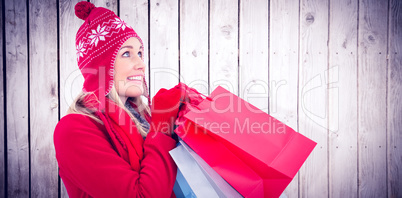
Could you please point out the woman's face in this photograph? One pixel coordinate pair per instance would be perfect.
(129, 70)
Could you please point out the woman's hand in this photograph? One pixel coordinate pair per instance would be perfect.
(165, 108)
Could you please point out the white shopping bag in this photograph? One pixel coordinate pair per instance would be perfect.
(200, 177)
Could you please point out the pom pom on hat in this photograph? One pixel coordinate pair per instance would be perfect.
(83, 9)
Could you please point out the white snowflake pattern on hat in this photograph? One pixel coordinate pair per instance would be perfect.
(80, 50)
(120, 24)
(98, 34)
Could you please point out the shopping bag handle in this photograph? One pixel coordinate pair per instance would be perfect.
(196, 106)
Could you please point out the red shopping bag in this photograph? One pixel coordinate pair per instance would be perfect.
(255, 153)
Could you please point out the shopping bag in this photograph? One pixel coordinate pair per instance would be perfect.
(195, 178)
(181, 187)
(255, 153)
(222, 188)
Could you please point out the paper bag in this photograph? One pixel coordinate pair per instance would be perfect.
(255, 153)
(200, 180)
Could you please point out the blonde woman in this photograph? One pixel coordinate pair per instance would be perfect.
(108, 145)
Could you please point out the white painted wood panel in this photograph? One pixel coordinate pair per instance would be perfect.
(394, 106)
(313, 95)
(372, 78)
(223, 44)
(2, 110)
(70, 79)
(43, 93)
(164, 44)
(17, 98)
(194, 44)
(253, 52)
(342, 90)
(109, 4)
(283, 68)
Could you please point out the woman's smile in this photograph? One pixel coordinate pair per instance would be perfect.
(137, 79)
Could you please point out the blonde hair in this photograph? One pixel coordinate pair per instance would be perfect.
(78, 107)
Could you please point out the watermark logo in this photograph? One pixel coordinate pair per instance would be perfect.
(318, 97)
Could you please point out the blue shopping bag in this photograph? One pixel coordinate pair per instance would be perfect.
(181, 187)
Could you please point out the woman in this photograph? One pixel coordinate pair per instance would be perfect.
(107, 145)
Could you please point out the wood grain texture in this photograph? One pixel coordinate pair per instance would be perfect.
(194, 44)
(342, 90)
(372, 77)
(313, 95)
(2, 115)
(164, 39)
(283, 68)
(43, 82)
(135, 14)
(70, 79)
(109, 4)
(253, 53)
(223, 30)
(17, 95)
(394, 94)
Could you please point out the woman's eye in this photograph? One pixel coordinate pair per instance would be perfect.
(140, 54)
(126, 54)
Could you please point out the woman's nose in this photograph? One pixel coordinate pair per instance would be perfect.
(139, 64)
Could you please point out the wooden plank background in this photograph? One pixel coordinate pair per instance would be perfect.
(394, 96)
(17, 94)
(372, 89)
(342, 81)
(2, 149)
(313, 95)
(43, 97)
(330, 69)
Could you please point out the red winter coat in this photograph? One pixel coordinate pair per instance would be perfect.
(93, 164)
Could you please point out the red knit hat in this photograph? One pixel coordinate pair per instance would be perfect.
(98, 41)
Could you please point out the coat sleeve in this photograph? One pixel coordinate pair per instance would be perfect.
(87, 159)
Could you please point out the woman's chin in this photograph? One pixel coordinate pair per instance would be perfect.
(134, 92)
